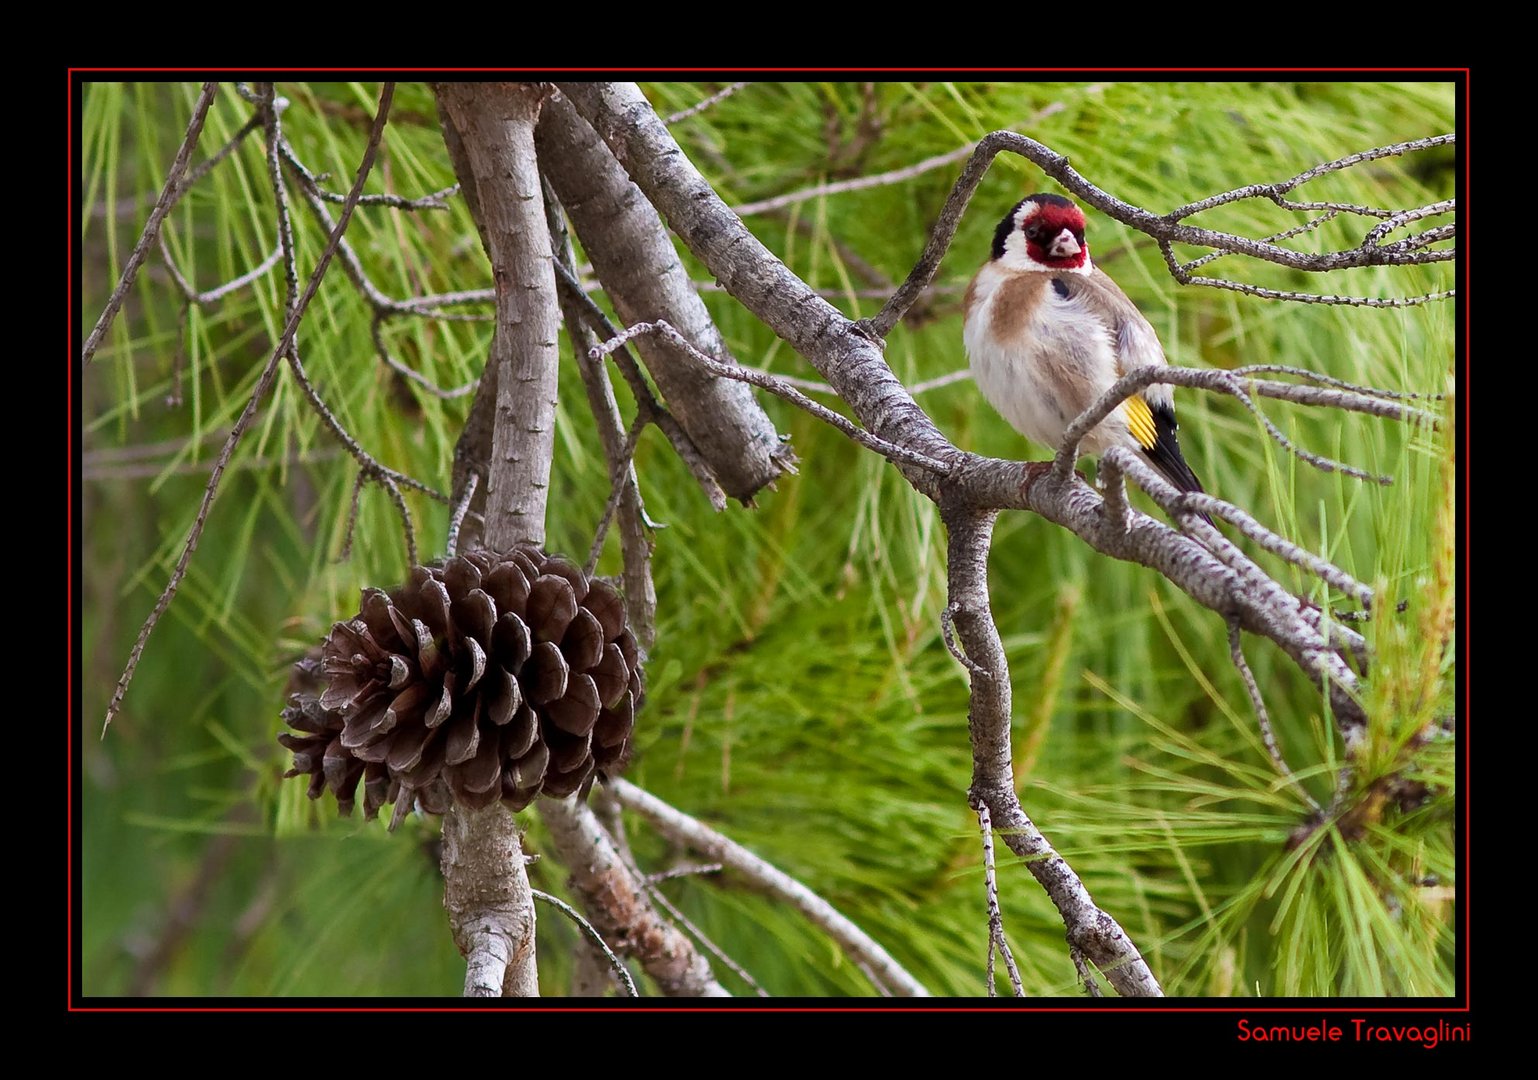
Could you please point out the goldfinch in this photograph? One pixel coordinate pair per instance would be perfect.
(1047, 332)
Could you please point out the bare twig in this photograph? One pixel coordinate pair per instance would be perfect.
(1089, 928)
(700, 106)
(218, 292)
(617, 487)
(263, 384)
(387, 478)
(684, 829)
(858, 183)
(457, 518)
(947, 622)
(169, 193)
(616, 965)
(1085, 971)
(1227, 383)
(618, 448)
(997, 942)
(1262, 717)
(773, 383)
(572, 291)
(1165, 228)
(352, 516)
(431, 201)
(682, 872)
(422, 306)
(376, 331)
(617, 901)
(699, 935)
(814, 386)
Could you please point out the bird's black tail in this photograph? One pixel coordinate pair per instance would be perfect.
(1165, 455)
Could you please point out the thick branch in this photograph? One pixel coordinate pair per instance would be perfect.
(485, 883)
(494, 125)
(634, 258)
(1090, 930)
(851, 361)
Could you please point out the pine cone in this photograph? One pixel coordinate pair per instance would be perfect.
(490, 677)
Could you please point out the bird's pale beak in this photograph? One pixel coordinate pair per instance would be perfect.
(1064, 246)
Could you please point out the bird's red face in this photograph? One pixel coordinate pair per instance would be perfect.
(1054, 233)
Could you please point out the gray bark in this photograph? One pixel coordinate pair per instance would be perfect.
(634, 258)
(489, 129)
(618, 906)
(494, 122)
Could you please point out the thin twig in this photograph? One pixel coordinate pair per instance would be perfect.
(617, 965)
(618, 473)
(996, 939)
(947, 619)
(169, 193)
(814, 386)
(1330, 380)
(754, 377)
(1113, 484)
(218, 292)
(699, 935)
(679, 826)
(264, 383)
(1302, 558)
(431, 201)
(858, 183)
(634, 541)
(701, 106)
(376, 330)
(691, 870)
(646, 401)
(1262, 717)
(1227, 383)
(457, 518)
(1087, 978)
(422, 306)
(352, 516)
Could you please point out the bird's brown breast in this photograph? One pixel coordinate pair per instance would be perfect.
(1013, 304)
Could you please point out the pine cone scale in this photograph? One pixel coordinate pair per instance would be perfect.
(492, 676)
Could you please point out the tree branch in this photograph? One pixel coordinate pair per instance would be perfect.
(617, 903)
(263, 384)
(634, 258)
(169, 193)
(682, 828)
(1165, 228)
(495, 123)
(1090, 929)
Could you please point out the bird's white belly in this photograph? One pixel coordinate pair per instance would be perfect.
(1047, 375)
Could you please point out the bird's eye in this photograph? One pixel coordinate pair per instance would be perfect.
(1033, 232)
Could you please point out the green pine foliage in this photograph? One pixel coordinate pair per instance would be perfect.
(801, 698)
